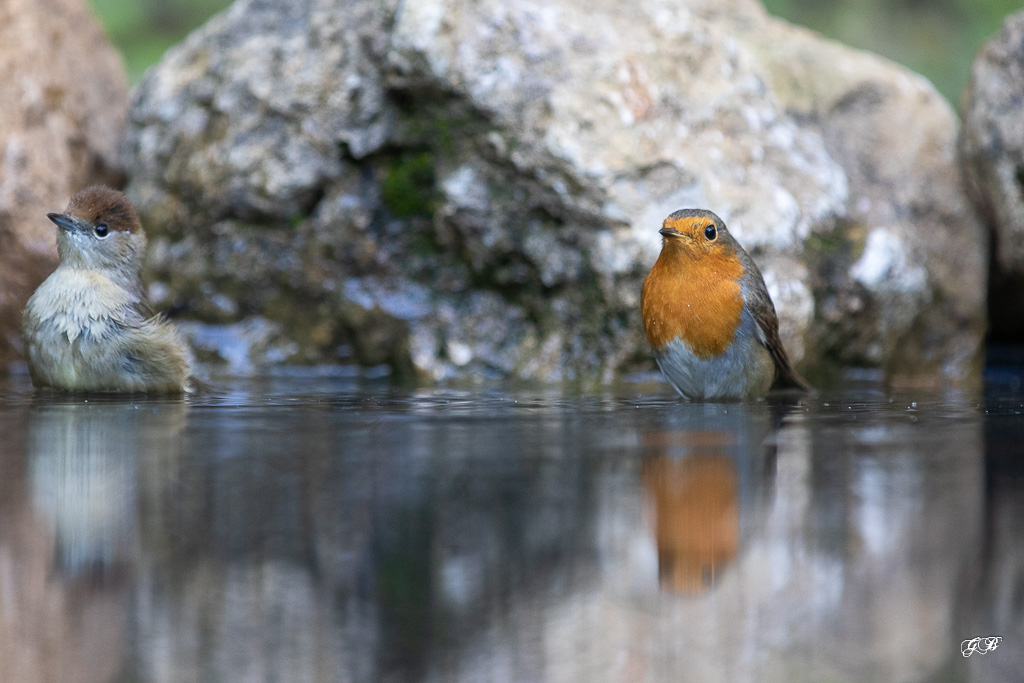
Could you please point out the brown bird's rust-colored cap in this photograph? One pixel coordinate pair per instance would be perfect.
(100, 204)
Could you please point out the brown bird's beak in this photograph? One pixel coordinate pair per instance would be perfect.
(65, 222)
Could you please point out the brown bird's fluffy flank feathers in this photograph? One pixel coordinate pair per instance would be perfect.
(99, 204)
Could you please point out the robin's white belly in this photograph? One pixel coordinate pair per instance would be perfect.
(745, 370)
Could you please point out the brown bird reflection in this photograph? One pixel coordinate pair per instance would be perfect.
(696, 509)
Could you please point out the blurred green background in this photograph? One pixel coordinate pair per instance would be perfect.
(937, 38)
(144, 29)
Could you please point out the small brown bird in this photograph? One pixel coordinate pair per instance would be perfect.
(707, 313)
(89, 325)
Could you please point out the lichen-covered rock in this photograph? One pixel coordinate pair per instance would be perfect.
(477, 187)
(992, 147)
(63, 94)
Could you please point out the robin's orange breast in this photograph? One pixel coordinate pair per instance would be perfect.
(695, 298)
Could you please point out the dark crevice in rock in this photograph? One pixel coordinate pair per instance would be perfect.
(1005, 303)
(310, 203)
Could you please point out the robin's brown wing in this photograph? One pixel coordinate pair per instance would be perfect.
(768, 332)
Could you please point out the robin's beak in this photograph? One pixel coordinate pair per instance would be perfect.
(670, 232)
(68, 223)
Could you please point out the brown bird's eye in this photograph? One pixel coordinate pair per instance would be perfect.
(102, 230)
(710, 233)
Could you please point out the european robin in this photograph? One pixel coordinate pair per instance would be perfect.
(707, 313)
(89, 326)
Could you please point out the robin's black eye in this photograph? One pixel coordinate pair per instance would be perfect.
(102, 230)
(711, 233)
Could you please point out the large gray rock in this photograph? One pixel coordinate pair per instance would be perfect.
(477, 187)
(63, 91)
(992, 145)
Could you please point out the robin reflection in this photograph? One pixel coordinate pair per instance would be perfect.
(696, 515)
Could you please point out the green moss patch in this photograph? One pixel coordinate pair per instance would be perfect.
(410, 186)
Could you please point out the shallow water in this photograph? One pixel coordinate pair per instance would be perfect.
(318, 529)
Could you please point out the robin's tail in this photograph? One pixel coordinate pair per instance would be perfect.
(785, 376)
(788, 378)
(791, 380)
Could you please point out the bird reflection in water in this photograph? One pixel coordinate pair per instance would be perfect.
(693, 486)
(69, 533)
(696, 512)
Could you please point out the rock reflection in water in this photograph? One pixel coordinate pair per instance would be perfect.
(416, 540)
(995, 599)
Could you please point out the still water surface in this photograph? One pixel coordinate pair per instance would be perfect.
(304, 529)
